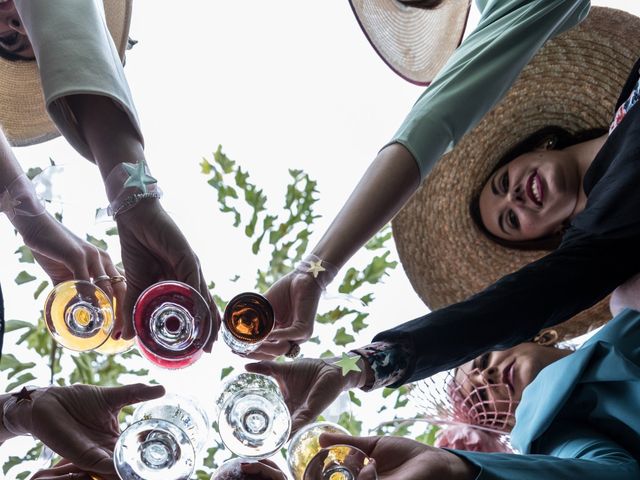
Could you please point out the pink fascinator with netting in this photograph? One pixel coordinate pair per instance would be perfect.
(473, 414)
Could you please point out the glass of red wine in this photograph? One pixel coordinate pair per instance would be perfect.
(173, 323)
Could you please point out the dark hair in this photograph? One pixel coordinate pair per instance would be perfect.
(13, 57)
(425, 4)
(558, 138)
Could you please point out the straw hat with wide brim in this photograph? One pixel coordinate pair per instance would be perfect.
(573, 83)
(23, 115)
(414, 42)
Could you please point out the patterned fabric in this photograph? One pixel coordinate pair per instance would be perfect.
(388, 361)
(625, 107)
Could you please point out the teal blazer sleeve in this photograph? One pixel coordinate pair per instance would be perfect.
(575, 452)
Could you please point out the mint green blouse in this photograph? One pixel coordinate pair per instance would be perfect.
(480, 72)
(75, 55)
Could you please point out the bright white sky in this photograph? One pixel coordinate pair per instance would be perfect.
(280, 85)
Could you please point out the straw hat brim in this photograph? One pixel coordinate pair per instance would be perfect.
(414, 42)
(573, 82)
(23, 115)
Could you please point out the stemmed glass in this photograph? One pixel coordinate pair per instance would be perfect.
(248, 320)
(340, 462)
(173, 323)
(163, 441)
(253, 419)
(306, 444)
(79, 315)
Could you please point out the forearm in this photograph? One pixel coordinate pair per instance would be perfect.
(385, 187)
(9, 167)
(108, 131)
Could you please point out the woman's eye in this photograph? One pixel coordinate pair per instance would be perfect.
(512, 218)
(504, 182)
(9, 40)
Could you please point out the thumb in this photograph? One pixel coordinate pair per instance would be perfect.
(265, 367)
(366, 444)
(369, 471)
(118, 397)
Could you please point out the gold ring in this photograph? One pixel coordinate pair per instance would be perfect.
(294, 351)
(101, 278)
(117, 279)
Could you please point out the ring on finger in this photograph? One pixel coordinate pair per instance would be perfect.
(101, 278)
(294, 350)
(117, 279)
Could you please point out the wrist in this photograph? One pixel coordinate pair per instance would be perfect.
(17, 411)
(129, 184)
(322, 271)
(352, 378)
(19, 202)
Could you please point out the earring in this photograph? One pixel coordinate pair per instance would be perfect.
(546, 338)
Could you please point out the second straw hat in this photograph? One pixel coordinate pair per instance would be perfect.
(23, 115)
(573, 82)
(414, 42)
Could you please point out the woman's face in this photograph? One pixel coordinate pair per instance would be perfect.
(497, 379)
(531, 197)
(13, 37)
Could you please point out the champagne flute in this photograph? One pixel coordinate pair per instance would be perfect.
(253, 419)
(340, 462)
(173, 323)
(248, 320)
(306, 444)
(78, 315)
(163, 442)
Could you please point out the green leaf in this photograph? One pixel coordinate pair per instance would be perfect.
(342, 338)
(225, 371)
(44, 284)
(33, 172)
(380, 240)
(97, 242)
(205, 166)
(21, 380)
(26, 256)
(315, 340)
(354, 399)
(429, 436)
(10, 463)
(327, 354)
(12, 325)
(24, 277)
(349, 422)
(113, 231)
(358, 323)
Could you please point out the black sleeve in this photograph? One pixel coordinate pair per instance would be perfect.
(514, 309)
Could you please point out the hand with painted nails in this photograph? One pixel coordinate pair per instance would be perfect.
(308, 386)
(153, 250)
(79, 423)
(295, 300)
(238, 469)
(397, 458)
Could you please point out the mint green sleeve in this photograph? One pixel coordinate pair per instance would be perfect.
(481, 71)
(575, 452)
(75, 55)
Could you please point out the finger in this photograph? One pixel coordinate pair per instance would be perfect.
(119, 292)
(264, 471)
(369, 471)
(301, 418)
(97, 268)
(58, 470)
(298, 332)
(118, 397)
(265, 367)
(132, 294)
(66, 476)
(274, 349)
(366, 444)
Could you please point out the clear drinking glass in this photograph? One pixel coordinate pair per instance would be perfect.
(163, 441)
(79, 315)
(248, 320)
(253, 419)
(173, 323)
(305, 445)
(340, 462)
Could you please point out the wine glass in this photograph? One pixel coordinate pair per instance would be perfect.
(253, 419)
(248, 320)
(306, 444)
(340, 462)
(163, 441)
(173, 323)
(79, 315)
